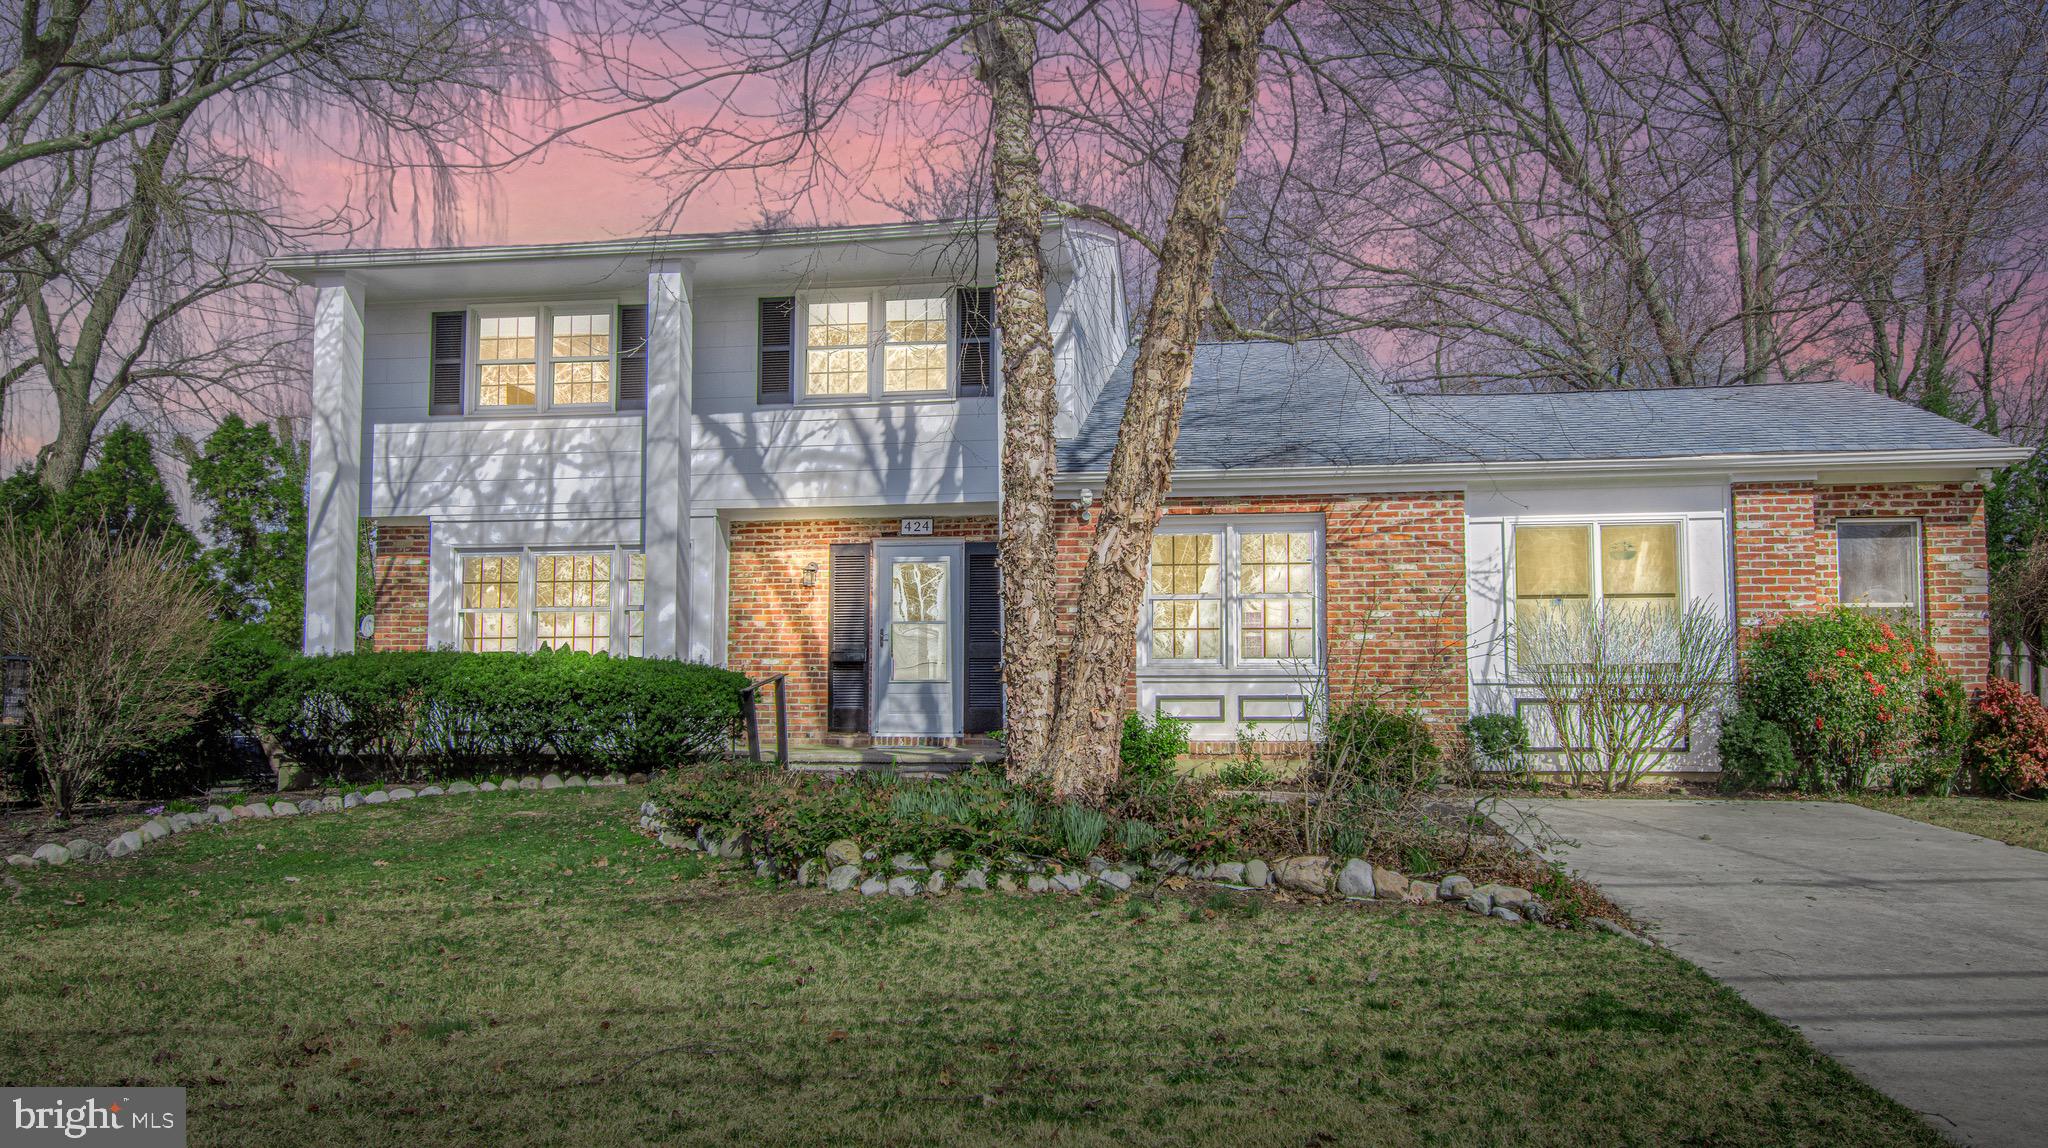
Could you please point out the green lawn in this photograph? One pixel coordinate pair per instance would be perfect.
(2014, 822)
(523, 969)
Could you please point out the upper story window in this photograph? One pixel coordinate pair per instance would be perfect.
(537, 358)
(849, 355)
(582, 359)
(1879, 563)
(1233, 593)
(505, 361)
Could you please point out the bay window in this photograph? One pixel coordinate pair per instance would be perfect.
(1233, 595)
(528, 599)
(1878, 563)
(848, 354)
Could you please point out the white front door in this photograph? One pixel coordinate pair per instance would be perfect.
(919, 642)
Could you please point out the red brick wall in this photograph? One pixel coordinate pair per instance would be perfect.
(1394, 591)
(776, 624)
(398, 580)
(1785, 556)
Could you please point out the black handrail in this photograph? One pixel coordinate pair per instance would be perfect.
(750, 709)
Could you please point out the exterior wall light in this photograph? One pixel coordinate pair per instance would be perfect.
(810, 575)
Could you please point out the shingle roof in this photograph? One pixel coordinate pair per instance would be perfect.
(1274, 405)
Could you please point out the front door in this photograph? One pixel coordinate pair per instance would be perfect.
(919, 600)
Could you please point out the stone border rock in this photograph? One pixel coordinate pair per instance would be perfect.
(159, 827)
(846, 868)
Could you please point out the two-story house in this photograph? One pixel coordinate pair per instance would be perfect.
(779, 451)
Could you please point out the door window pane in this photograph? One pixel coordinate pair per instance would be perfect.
(1880, 563)
(918, 634)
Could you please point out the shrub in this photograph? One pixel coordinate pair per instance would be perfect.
(1151, 746)
(1862, 699)
(1621, 686)
(116, 633)
(407, 713)
(1499, 740)
(1365, 741)
(2008, 750)
(1756, 753)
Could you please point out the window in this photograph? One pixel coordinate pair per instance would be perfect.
(1879, 563)
(506, 367)
(581, 355)
(914, 358)
(1235, 594)
(574, 600)
(1187, 598)
(635, 607)
(918, 633)
(847, 355)
(490, 603)
(1563, 571)
(539, 358)
(1276, 579)
(836, 348)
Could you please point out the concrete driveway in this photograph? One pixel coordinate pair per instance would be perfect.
(1916, 956)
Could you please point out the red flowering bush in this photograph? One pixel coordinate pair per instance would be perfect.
(1863, 699)
(2008, 751)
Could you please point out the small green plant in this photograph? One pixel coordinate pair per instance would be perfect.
(1136, 838)
(1348, 841)
(1080, 830)
(1379, 745)
(1151, 746)
(1756, 753)
(180, 805)
(1248, 770)
(1500, 741)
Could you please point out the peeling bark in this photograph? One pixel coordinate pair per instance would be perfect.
(1006, 47)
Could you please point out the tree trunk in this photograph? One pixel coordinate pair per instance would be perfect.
(1086, 726)
(1007, 48)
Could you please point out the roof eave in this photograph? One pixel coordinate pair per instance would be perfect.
(1210, 481)
(307, 267)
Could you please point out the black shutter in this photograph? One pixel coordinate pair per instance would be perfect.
(633, 357)
(847, 689)
(984, 639)
(976, 326)
(778, 349)
(444, 389)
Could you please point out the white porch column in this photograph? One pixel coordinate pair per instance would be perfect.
(665, 465)
(334, 470)
(704, 564)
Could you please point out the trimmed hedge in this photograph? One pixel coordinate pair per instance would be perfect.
(441, 712)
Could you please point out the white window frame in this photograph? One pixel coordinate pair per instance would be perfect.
(529, 569)
(543, 315)
(1917, 607)
(877, 299)
(1597, 598)
(1231, 661)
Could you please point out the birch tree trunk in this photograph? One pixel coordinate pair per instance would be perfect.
(1006, 50)
(1087, 723)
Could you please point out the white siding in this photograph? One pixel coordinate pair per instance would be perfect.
(530, 470)
(1090, 326)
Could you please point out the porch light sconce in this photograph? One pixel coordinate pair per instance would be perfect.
(810, 575)
(1082, 503)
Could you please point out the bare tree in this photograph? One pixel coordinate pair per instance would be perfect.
(137, 199)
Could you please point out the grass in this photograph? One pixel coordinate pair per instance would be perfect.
(2011, 820)
(521, 968)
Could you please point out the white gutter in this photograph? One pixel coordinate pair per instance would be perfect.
(304, 266)
(1415, 476)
